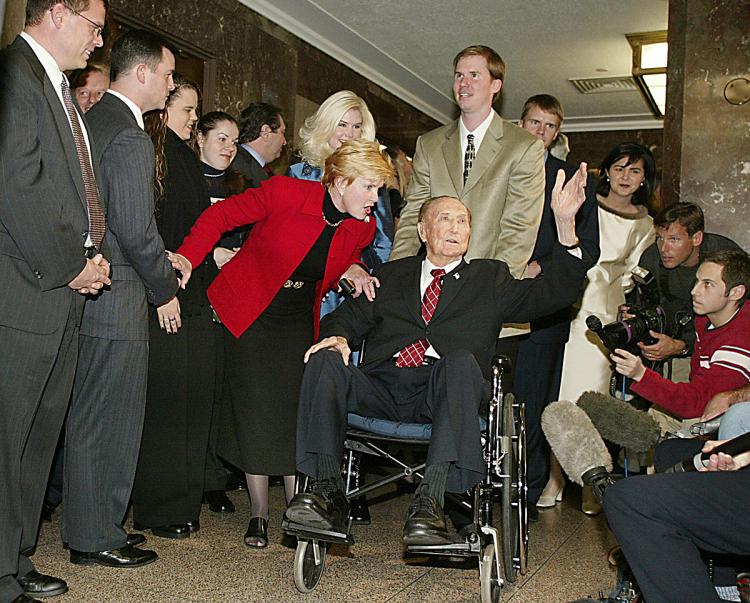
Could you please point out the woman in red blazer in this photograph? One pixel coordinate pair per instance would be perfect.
(305, 237)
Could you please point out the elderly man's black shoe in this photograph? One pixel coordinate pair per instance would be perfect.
(325, 508)
(35, 584)
(425, 522)
(24, 599)
(126, 556)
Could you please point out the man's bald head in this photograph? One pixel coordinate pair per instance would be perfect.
(444, 224)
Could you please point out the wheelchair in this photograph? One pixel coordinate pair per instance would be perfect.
(501, 551)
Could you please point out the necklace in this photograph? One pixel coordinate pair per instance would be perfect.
(213, 175)
(331, 224)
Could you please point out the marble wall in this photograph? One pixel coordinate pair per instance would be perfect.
(254, 59)
(707, 139)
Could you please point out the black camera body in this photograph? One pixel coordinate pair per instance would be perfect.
(627, 333)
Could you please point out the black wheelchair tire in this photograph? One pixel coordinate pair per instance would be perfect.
(489, 583)
(306, 573)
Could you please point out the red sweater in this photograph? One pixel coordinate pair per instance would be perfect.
(720, 362)
(288, 218)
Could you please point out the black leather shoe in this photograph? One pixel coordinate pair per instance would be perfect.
(126, 556)
(132, 540)
(25, 599)
(35, 584)
(360, 512)
(194, 525)
(257, 533)
(325, 508)
(175, 530)
(425, 522)
(218, 501)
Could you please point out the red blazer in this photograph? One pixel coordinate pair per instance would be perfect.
(287, 214)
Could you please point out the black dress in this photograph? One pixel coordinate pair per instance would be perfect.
(264, 369)
(182, 367)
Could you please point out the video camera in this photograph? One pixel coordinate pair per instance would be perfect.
(626, 333)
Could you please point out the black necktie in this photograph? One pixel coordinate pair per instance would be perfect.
(469, 156)
(94, 204)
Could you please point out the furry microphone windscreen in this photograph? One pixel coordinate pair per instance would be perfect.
(574, 440)
(618, 422)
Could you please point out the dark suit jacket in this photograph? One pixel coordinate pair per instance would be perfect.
(555, 327)
(140, 269)
(475, 300)
(249, 167)
(43, 215)
(287, 218)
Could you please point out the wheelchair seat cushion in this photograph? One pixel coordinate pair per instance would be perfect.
(396, 429)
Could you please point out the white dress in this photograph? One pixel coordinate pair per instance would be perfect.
(622, 240)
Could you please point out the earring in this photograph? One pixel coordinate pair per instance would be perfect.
(641, 184)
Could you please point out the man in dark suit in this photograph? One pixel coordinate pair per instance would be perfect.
(423, 365)
(262, 137)
(47, 191)
(106, 415)
(540, 354)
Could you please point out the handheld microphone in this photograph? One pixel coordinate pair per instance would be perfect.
(731, 447)
(578, 446)
(347, 287)
(620, 423)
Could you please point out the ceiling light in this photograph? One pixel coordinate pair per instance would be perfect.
(650, 67)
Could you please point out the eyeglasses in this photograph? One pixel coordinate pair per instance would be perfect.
(97, 28)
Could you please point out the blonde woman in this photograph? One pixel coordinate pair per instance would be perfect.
(343, 116)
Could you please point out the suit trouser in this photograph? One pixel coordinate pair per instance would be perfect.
(103, 437)
(664, 521)
(537, 383)
(446, 394)
(36, 377)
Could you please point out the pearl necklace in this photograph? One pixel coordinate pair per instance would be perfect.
(331, 224)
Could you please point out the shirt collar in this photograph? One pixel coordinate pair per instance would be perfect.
(428, 266)
(254, 153)
(131, 105)
(479, 131)
(46, 59)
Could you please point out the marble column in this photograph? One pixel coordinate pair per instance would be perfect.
(706, 138)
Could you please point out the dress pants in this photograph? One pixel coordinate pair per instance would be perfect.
(102, 439)
(36, 377)
(537, 383)
(446, 394)
(664, 521)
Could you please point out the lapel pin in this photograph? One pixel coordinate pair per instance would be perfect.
(457, 276)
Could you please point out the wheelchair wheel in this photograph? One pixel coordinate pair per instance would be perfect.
(489, 582)
(308, 570)
(513, 501)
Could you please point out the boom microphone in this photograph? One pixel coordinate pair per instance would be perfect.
(577, 445)
(731, 447)
(620, 423)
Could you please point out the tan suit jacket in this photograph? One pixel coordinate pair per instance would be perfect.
(504, 191)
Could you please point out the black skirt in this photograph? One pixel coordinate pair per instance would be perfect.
(262, 380)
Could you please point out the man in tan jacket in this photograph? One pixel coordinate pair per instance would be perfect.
(494, 167)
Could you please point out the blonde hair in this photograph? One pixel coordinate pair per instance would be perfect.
(357, 159)
(319, 127)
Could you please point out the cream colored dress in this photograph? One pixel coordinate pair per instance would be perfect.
(622, 239)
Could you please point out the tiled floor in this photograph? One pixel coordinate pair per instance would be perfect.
(566, 562)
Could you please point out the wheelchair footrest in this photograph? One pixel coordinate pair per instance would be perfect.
(308, 533)
(456, 549)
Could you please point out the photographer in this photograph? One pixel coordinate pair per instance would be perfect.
(664, 521)
(721, 360)
(681, 244)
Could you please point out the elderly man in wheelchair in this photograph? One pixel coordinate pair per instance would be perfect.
(431, 333)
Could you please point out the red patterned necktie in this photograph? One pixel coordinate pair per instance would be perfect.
(413, 355)
(94, 204)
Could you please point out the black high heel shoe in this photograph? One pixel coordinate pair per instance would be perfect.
(257, 530)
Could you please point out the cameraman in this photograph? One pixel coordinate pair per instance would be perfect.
(721, 360)
(673, 259)
(664, 521)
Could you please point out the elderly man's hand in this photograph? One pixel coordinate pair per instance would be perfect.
(628, 364)
(337, 343)
(566, 201)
